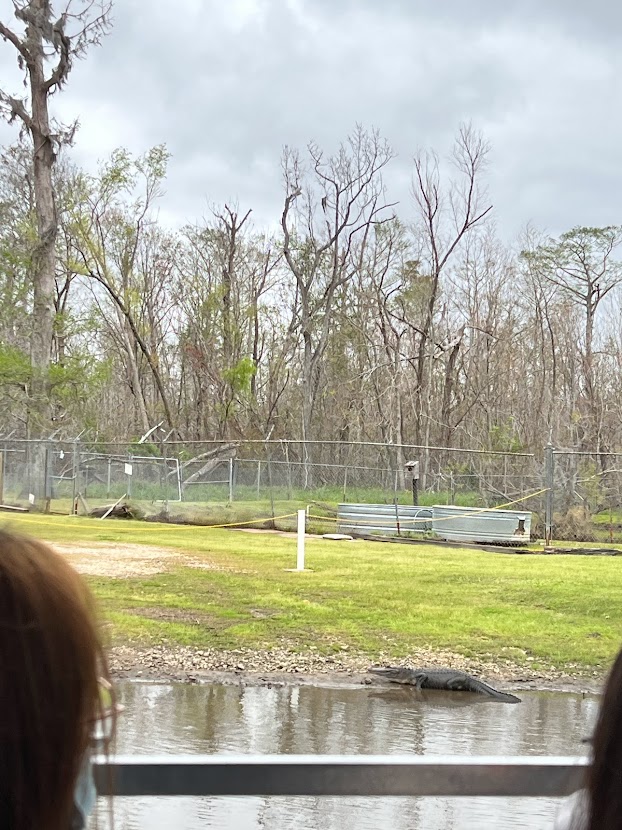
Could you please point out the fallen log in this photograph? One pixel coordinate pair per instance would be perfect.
(124, 510)
(212, 459)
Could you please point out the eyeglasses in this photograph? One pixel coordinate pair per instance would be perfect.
(103, 727)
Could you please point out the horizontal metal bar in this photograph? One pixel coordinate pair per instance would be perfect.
(284, 441)
(190, 483)
(340, 775)
(588, 452)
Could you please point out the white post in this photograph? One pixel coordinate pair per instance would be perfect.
(300, 558)
(181, 496)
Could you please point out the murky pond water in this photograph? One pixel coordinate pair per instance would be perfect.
(229, 719)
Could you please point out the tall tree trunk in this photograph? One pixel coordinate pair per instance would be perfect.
(308, 403)
(399, 440)
(135, 379)
(44, 264)
(45, 45)
(448, 388)
(593, 438)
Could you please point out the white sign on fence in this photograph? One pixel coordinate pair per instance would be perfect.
(31, 498)
(128, 469)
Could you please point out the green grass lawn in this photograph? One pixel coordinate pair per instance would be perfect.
(562, 611)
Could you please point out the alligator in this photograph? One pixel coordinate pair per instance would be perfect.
(448, 680)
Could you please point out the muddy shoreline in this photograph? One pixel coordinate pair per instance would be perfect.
(284, 668)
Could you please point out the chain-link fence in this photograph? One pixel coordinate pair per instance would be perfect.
(574, 496)
(586, 496)
(202, 481)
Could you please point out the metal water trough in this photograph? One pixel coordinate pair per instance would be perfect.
(447, 522)
(383, 518)
(467, 524)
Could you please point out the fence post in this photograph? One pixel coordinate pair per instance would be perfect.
(75, 474)
(109, 478)
(415, 484)
(289, 473)
(230, 480)
(179, 480)
(269, 465)
(397, 516)
(549, 479)
(2, 456)
(47, 479)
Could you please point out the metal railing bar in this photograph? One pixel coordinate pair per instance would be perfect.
(342, 775)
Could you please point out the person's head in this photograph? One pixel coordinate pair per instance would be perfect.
(604, 781)
(50, 663)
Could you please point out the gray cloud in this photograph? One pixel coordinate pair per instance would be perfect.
(225, 85)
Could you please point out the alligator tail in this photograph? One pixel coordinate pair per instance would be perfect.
(484, 688)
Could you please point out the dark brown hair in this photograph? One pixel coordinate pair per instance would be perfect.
(604, 779)
(50, 662)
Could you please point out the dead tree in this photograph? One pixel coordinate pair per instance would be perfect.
(583, 269)
(447, 213)
(329, 211)
(46, 47)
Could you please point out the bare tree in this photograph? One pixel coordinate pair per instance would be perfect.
(224, 272)
(581, 267)
(120, 249)
(483, 324)
(46, 48)
(330, 208)
(446, 215)
(388, 271)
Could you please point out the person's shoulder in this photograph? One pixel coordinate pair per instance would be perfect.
(572, 814)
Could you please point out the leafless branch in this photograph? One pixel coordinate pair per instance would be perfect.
(8, 34)
(13, 108)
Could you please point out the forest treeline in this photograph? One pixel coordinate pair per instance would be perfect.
(340, 321)
(348, 317)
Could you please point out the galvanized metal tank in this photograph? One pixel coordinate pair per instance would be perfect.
(382, 518)
(468, 524)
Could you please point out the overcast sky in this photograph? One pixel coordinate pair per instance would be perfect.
(226, 83)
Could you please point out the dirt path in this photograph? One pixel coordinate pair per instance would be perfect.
(117, 560)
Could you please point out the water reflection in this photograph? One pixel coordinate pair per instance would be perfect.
(229, 719)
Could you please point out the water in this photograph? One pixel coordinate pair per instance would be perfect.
(229, 719)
